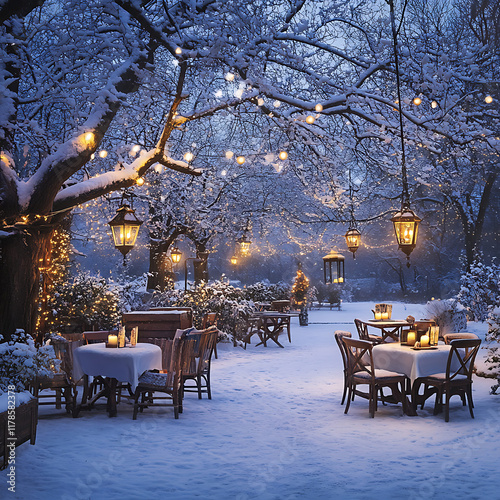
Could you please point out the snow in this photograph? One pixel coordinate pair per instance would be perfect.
(274, 429)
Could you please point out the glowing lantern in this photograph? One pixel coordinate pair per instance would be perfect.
(234, 260)
(353, 240)
(244, 245)
(333, 265)
(406, 229)
(125, 228)
(175, 255)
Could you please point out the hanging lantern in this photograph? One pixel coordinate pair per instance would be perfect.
(333, 265)
(244, 245)
(353, 240)
(406, 229)
(125, 228)
(234, 260)
(175, 254)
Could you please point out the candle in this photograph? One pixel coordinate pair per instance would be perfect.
(411, 338)
(385, 315)
(113, 340)
(378, 315)
(424, 341)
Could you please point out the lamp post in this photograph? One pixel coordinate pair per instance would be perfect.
(186, 271)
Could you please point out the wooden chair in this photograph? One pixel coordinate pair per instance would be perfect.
(339, 334)
(363, 334)
(453, 381)
(169, 383)
(252, 328)
(358, 353)
(63, 382)
(210, 319)
(199, 369)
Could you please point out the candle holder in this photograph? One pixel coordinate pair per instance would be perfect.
(385, 311)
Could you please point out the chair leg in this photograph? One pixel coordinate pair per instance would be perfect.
(469, 398)
(209, 389)
(345, 389)
(447, 407)
(372, 401)
(198, 385)
(136, 404)
(350, 397)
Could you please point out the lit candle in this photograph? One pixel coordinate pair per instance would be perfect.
(378, 315)
(113, 340)
(411, 338)
(424, 341)
(385, 315)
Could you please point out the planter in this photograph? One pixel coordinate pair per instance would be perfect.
(303, 317)
(20, 427)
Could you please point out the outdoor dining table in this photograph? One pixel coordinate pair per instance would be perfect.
(270, 324)
(125, 364)
(410, 361)
(389, 328)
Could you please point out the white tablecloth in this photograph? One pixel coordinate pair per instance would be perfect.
(403, 359)
(126, 364)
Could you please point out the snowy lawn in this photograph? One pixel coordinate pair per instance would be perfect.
(274, 429)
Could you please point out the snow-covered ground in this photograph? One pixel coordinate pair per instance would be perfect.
(274, 429)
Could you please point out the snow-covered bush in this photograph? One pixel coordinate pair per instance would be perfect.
(21, 361)
(480, 288)
(86, 302)
(267, 292)
(493, 358)
(448, 314)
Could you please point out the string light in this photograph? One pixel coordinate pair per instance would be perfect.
(283, 155)
(276, 104)
(260, 101)
(178, 51)
(229, 154)
(417, 101)
(89, 137)
(103, 153)
(188, 156)
(318, 108)
(488, 99)
(434, 104)
(229, 77)
(139, 181)
(240, 160)
(310, 119)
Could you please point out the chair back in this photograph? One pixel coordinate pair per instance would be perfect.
(64, 350)
(465, 352)
(98, 336)
(339, 335)
(209, 319)
(359, 356)
(448, 337)
(362, 329)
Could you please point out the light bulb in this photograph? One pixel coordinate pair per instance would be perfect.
(434, 104)
(283, 155)
(229, 154)
(188, 156)
(229, 77)
(139, 181)
(260, 101)
(310, 119)
(240, 160)
(417, 101)
(276, 104)
(318, 108)
(103, 153)
(488, 99)
(178, 50)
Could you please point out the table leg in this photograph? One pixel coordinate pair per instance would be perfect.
(111, 387)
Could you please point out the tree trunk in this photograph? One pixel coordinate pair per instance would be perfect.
(200, 266)
(20, 279)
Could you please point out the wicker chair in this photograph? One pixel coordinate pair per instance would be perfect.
(339, 334)
(453, 381)
(63, 383)
(169, 383)
(363, 334)
(359, 373)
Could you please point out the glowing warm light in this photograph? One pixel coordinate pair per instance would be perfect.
(488, 99)
(406, 229)
(276, 104)
(244, 245)
(229, 77)
(223, 173)
(283, 155)
(417, 101)
(158, 168)
(434, 104)
(188, 156)
(175, 255)
(89, 136)
(125, 228)
(229, 154)
(103, 153)
(92, 156)
(139, 181)
(260, 101)
(310, 119)
(353, 240)
(234, 260)
(178, 50)
(135, 149)
(318, 108)
(240, 160)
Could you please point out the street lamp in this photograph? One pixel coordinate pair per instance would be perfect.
(244, 245)
(333, 265)
(175, 254)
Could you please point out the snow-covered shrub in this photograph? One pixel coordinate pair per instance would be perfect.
(86, 302)
(493, 358)
(480, 288)
(448, 314)
(132, 293)
(21, 361)
(266, 292)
